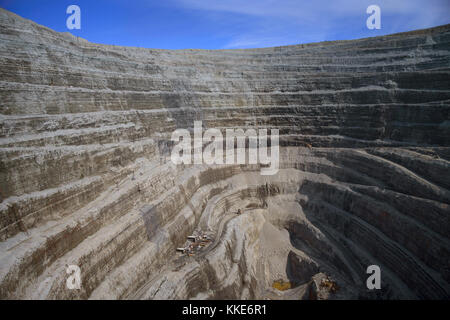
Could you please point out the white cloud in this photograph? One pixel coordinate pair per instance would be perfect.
(316, 8)
(281, 22)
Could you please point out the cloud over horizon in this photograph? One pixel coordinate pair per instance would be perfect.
(289, 21)
(226, 24)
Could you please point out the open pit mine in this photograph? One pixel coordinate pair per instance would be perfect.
(87, 182)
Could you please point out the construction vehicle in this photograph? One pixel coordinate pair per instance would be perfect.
(196, 243)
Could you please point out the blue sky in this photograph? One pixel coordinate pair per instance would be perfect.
(223, 24)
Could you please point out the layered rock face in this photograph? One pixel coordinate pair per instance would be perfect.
(86, 177)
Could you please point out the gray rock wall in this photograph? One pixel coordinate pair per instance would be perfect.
(86, 177)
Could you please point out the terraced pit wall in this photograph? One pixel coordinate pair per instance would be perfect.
(86, 176)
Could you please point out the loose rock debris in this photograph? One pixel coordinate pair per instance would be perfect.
(329, 284)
